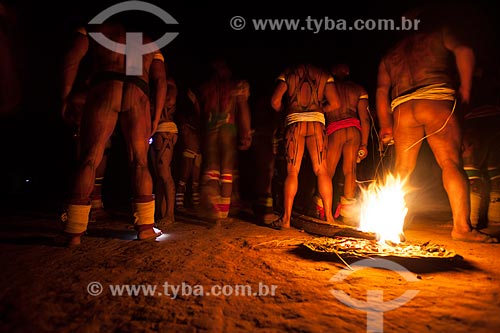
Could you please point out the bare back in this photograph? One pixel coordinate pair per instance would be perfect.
(306, 88)
(219, 98)
(349, 94)
(420, 60)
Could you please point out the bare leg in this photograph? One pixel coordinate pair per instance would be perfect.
(164, 147)
(264, 167)
(295, 144)
(136, 126)
(229, 154)
(347, 207)
(188, 157)
(335, 144)
(445, 144)
(99, 177)
(350, 155)
(195, 181)
(404, 137)
(317, 147)
(191, 167)
(180, 192)
(98, 122)
(97, 211)
(455, 182)
(169, 181)
(157, 186)
(210, 195)
(187, 167)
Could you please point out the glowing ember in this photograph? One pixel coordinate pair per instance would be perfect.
(383, 209)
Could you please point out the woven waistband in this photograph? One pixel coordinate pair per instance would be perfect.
(305, 116)
(437, 92)
(167, 126)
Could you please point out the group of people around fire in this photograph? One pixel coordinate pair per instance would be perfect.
(308, 107)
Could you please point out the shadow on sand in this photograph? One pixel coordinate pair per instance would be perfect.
(415, 265)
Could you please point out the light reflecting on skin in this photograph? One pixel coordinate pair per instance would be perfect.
(161, 237)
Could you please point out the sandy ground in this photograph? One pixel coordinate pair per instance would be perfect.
(47, 288)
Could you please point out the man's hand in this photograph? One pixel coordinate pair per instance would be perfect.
(386, 136)
(362, 153)
(154, 127)
(464, 94)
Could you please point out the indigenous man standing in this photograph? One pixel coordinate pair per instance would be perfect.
(305, 86)
(226, 116)
(114, 96)
(416, 99)
(162, 151)
(347, 129)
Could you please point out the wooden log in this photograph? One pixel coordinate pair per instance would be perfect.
(315, 226)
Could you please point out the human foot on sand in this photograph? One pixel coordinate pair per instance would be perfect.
(68, 240)
(266, 219)
(474, 236)
(148, 234)
(280, 224)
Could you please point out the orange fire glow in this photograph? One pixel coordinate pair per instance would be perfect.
(383, 209)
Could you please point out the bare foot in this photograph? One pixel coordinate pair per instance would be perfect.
(148, 234)
(280, 224)
(331, 220)
(223, 222)
(267, 219)
(473, 236)
(68, 240)
(74, 241)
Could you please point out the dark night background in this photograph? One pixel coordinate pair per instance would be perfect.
(35, 143)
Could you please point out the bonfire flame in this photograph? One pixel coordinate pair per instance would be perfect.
(383, 209)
